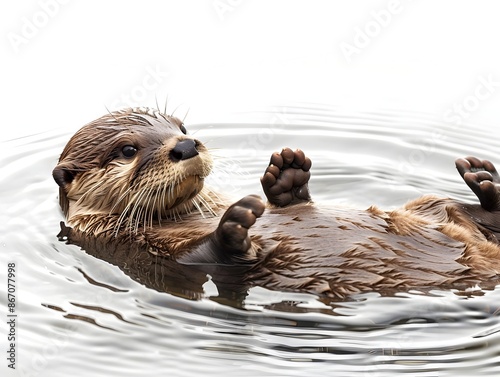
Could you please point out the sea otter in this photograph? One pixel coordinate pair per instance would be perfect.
(131, 186)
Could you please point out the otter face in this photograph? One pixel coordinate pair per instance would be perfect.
(135, 163)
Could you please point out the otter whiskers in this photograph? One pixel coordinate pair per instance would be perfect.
(148, 205)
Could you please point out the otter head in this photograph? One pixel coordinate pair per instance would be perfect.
(136, 163)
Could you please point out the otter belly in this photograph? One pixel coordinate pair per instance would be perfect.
(344, 251)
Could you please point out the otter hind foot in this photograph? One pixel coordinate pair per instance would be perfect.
(483, 179)
(285, 179)
(232, 233)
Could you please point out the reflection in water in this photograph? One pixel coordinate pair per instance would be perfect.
(83, 316)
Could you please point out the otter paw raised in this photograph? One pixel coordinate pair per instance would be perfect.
(232, 233)
(285, 179)
(483, 179)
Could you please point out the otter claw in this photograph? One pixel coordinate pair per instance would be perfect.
(285, 179)
(232, 233)
(483, 179)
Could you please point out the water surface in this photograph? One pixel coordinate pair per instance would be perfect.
(81, 316)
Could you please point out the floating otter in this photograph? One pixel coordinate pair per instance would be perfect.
(132, 190)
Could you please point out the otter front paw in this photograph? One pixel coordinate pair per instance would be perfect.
(232, 233)
(285, 179)
(483, 179)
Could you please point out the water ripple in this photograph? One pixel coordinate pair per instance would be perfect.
(81, 313)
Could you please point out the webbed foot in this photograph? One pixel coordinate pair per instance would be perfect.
(232, 233)
(285, 179)
(483, 179)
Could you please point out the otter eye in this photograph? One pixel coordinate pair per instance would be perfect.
(183, 129)
(129, 151)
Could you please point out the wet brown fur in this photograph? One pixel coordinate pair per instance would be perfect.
(429, 242)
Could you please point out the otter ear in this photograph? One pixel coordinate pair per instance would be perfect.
(62, 175)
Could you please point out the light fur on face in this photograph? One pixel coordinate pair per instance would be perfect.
(96, 178)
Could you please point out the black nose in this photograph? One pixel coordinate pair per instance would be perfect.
(184, 150)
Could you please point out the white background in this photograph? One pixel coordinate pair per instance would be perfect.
(65, 62)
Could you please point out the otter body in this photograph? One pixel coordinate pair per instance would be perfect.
(131, 187)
